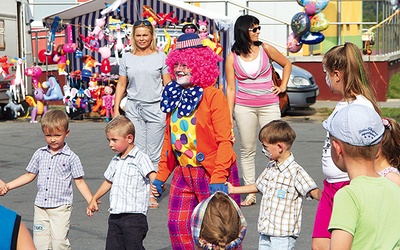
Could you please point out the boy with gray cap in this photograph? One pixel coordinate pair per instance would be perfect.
(365, 213)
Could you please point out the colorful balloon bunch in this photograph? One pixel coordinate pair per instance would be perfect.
(307, 25)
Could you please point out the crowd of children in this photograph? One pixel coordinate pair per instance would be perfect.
(360, 160)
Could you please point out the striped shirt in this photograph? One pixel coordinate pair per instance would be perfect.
(54, 176)
(130, 190)
(283, 188)
(255, 90)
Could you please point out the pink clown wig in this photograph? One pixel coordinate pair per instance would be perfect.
(202, 61)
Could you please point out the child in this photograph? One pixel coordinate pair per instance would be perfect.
(388, 161)
(283, 183)
(365, 213)
(345, 75)
(127, 176)
(55, 165)
(218, 223)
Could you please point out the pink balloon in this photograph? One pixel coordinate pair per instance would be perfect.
(310, 8)
(293, 43)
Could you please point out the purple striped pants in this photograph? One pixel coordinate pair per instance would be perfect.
(189, 186)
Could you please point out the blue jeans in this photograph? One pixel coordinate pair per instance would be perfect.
(272, 243)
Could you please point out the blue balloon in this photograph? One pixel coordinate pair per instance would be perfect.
(312, 38)
(321, 4)
(300, 23)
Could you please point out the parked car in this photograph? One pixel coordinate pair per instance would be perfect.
(302, 88)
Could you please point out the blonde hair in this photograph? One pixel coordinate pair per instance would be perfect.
(391, 143)
(359, 152)
(153, 44)
(277, 131)
(348, 59)
(121, 125)
(221, 223)
(55, 120)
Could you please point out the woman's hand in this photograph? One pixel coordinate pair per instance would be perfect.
(277, 90)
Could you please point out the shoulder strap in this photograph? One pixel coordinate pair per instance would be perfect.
(266, 51)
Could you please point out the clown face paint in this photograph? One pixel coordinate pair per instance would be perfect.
(182, 74)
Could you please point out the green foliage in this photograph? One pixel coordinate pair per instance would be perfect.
(394, 87)
(392, 113)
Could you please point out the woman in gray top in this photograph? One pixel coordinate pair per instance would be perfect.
(143, 74)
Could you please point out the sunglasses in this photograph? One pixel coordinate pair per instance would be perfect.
(140, 22)
(254, 30)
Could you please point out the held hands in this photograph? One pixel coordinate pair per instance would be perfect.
(157, 188)
(218, 187)
(92, 207)
(230, 187)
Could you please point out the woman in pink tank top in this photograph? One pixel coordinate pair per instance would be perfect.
(254, 101)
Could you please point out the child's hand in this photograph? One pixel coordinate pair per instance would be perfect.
(3, 189)
(230, 187)
(92, 207)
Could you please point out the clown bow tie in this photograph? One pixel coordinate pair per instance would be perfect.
(186, 100)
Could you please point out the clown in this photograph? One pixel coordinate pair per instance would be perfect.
(198, 139)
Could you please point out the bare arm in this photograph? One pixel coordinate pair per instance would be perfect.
(279, 58)
(83, 188)
(152, 176)
(248, 189)
(93, 205)
(20, 181)
(341, 240)
(166, 78)
(24, 241)
(230, 82)
(119, 93)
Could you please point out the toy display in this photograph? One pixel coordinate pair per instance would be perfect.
(38, 103)
(89, 88)
(108, 102)
(52, 35)
(35, 73)
(5, 66)
(17, 85)
(15, 107)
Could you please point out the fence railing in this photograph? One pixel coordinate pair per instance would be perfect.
(385, 27)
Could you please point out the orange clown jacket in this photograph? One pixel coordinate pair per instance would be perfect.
(214, 138)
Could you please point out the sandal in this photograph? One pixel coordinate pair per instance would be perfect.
(153, 204)
(250, 200)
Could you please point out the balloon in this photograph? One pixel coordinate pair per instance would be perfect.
(318, 23)
(310, 8)
(300, 2)
(42, 57)
(312, 38)
(293, 43)
(300, 23)
(321, 4)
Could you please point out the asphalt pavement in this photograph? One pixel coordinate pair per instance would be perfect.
(19, 139)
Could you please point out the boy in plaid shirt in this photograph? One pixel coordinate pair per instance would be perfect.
(55, 166)
(283, 183)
